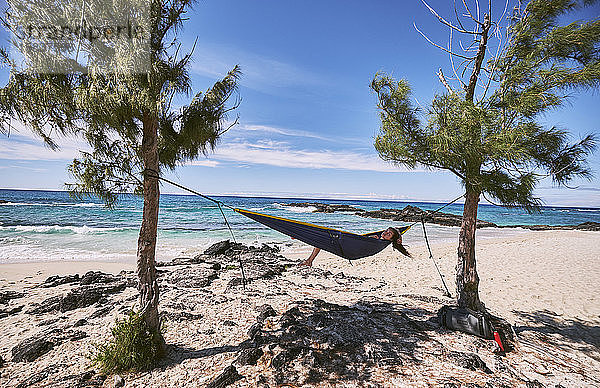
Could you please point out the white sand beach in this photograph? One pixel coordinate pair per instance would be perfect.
(545, 283)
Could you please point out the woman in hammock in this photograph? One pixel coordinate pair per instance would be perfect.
(390, 234)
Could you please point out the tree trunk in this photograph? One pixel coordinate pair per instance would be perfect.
(146, 268)
(467, 280)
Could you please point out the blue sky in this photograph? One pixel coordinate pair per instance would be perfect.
(308, 118)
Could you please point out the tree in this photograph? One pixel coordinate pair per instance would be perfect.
(125, 115)
(493, 140)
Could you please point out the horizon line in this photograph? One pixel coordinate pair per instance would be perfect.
(308, 197)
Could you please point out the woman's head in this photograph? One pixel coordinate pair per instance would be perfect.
(395, 237)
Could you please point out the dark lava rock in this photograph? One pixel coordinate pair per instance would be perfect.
(87, 379)
(101, 312)
(229, 376)
(72, 335)
(469, 361)
(31, 348)
(334, 343)
(218, 248)
(324, 207)
(190, 277)
(415, 214)
(38, 377)
(407, 214)
(180, 316)
(591, 226)
(48, 322)
(87, 296)
(534, 384)
(261, 265)
(265, 311)
(594, 226)
(254, 330)
(1, 362)
(57, 280)
(11, 311)
(5, 296)
(80, 322)
(47, 305)
(249, 356)
(80, 297)
(97, 277)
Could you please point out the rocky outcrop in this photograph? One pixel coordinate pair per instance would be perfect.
(407, 214)
(87, 295)
(316, 341)
(229, 376)
(38, 377)
(94, 287)
(87, 379)
(33, 347)
(6, 296)
(189, 277)
(415, 214)
(262, 262)
(591, 226)
(324, 207)
(58, 280)
(10, 311)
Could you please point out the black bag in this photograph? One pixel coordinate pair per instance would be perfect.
(466, 320)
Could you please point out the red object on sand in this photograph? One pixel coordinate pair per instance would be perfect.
(497, 339)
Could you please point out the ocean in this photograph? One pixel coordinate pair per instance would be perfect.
(50, 225)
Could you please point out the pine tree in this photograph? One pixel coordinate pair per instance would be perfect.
(127, 119)
(494, 141)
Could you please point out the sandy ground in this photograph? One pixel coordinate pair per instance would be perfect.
(548, 277)
(557, 271)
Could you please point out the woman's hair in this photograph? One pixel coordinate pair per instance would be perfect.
(397, 244)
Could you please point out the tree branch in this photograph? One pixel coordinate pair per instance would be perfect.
(440, 47)
(470, 14)
(443, 80)
(447, 23)
(479, 58)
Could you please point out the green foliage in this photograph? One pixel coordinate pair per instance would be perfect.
(133, 347)
(495, 145)
(110, 110)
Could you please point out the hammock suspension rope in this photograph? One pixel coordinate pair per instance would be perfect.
(220, 204)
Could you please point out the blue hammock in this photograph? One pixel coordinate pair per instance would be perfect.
(347, 245)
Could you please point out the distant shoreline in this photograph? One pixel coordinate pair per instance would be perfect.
(308, 198)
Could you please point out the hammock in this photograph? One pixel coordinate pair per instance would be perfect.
(348, 245)
(345, 244)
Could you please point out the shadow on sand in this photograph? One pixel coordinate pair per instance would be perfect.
(568, 334)
(316, 341)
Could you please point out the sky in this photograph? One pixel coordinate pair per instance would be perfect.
(307, 118)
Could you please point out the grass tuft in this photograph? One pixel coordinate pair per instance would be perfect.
(134, 347)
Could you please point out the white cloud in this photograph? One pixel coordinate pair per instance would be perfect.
(204, 163)
(17, 148)
(23, 144)
(280, 131)
(280, 154)
(259, 72)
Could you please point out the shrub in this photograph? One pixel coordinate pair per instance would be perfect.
(134, 347)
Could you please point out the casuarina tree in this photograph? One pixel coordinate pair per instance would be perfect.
(487, 129)
(118, 95)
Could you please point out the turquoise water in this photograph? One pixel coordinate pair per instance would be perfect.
(49, 225)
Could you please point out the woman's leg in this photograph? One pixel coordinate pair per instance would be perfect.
(308, 262)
